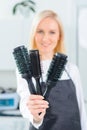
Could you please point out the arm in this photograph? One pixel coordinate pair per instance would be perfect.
(74, 73)
(28, 106)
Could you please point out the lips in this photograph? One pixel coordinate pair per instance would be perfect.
(45, 45)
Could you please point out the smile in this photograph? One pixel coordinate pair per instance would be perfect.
(45, 45)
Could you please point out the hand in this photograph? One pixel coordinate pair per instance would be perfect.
(37, 106)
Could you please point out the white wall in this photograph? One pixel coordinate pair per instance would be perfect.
(82, 45)
(12, 34)
(14, 31)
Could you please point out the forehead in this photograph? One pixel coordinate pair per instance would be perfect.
(48, 23)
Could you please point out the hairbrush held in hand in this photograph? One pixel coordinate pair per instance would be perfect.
(23, 64)
(29, 66)
(55, 71)
(36, 68)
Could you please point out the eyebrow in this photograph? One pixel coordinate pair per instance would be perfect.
(43, 29)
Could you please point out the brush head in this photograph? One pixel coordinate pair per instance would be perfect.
(36, 68)
(56, 67)
(22, 60)
(35, 63)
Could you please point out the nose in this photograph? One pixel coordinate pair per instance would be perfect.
(45, 37)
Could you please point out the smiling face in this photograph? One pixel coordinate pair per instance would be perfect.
(46, 37)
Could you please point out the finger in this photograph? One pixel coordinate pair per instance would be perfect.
(37, 102)
(32, 97)
(38, 106)
(38, 117)
(41, 115)
(43, 105)
(38, 112)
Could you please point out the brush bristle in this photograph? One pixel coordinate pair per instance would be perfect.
(22, 60)
(35, 63)
(56, 67)
(36, 68)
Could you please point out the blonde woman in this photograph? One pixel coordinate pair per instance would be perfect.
(64, 107)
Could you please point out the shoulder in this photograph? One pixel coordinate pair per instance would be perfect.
(74, 74)
(72, 69)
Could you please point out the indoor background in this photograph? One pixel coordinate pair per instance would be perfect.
(15, 30)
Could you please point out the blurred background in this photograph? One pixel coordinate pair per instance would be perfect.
(15, 26)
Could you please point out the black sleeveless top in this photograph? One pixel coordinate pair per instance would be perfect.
(63, 111)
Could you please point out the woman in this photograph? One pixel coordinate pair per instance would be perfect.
(64, 107)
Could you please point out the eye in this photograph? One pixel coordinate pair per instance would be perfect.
(52, 32)
(39, 31)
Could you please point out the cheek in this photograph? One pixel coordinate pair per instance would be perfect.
(55, 41)
(56, 38)
(54, 45)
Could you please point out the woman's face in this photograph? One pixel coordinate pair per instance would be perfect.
(47, 35)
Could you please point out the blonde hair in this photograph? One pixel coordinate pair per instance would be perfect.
(44, 14)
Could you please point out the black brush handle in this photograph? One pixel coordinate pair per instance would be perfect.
(30, 83)
(36, 70)
(49, 85)
(38, 86)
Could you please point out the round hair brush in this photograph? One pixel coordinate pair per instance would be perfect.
(55, 70)
(23, 64)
